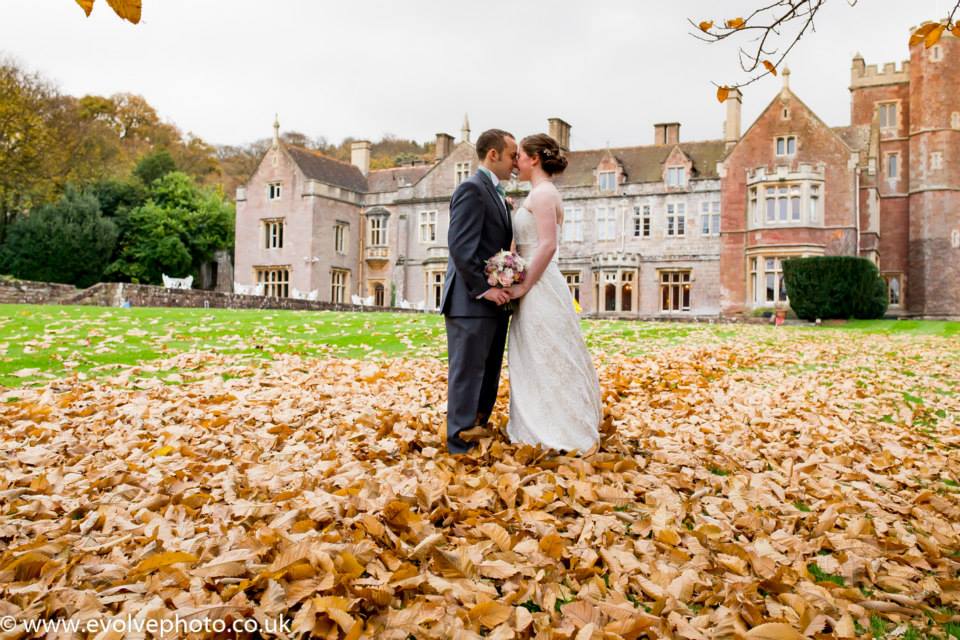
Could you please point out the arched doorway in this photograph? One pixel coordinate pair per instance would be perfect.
(379, 295)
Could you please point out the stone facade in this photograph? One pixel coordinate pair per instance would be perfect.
(672, 229)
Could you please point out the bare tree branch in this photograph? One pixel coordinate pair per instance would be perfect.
(777, 26)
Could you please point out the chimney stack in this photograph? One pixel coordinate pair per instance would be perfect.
(443, 147)
(559, 130)
(731, 126)
(666, 133)
(360, 156)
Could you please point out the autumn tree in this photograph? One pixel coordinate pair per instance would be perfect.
(176, 230)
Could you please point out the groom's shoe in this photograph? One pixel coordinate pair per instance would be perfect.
(457, 446)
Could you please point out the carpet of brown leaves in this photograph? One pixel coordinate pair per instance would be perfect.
(775, 489)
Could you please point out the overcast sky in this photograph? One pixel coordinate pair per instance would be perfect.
(221, 68)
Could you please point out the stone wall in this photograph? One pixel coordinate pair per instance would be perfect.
(26, 292)
(113, 294)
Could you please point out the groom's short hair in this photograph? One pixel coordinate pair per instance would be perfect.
(492, 139)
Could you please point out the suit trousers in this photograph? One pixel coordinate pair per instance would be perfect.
(474, 356)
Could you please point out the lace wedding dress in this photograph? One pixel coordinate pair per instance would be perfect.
(554, 391)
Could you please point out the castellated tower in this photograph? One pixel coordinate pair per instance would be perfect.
(934, 189)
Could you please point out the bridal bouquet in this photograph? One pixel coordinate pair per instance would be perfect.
(505, 269)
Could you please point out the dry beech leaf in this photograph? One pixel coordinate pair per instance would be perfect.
(87, 6)
(498, 534)
(165, 559)
(706, 25)
(553, 545)
(319, 488)
(489, 613)
(723, 93)
(736, 23)
(127, 9)
(774, 631)
(769, 67)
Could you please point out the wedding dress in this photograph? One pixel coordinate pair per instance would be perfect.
(554, 391)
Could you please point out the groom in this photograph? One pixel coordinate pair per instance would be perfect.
(476, 323)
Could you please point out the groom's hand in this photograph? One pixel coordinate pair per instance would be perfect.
(497, 296)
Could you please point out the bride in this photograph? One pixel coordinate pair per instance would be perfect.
(554, 391)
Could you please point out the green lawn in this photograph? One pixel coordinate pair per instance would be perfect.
(38, 343)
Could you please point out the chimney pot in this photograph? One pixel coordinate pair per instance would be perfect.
(559, 130)
(666, 133)
(360, 155)
(443, 147)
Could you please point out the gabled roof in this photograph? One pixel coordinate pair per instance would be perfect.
(392, 179)
(317, 166)
(848, 138)
(642, 164)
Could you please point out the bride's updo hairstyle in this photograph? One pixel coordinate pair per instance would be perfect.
(552, 160)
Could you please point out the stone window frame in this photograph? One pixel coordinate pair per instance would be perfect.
(608, 223)
(936, 53)
(890, 277)
(273, 232)
(895, 157)
(883, 111)
(936, 160)
(434, 281)
(787, 153)
(710, 213)
(274, 191)
(642, 221)
(427, 225)
(339, 285)
(676, 176)
(341, 236)
(274, 280)
(759, 273)
(812, 190)
(955, 120)
(574, 280)
(620, 280)
(572, 227)
(607, 181)
(676, 220)
(671, 281)
(377, 231)
(461, 172)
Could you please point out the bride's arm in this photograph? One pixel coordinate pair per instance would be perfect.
(543, 205)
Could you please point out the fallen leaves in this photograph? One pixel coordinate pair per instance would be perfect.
(769, 486)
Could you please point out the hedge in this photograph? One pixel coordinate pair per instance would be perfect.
(831, 287)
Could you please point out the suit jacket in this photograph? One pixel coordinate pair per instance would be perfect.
(479, 227)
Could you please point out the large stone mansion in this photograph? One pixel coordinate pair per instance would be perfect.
(673, 228)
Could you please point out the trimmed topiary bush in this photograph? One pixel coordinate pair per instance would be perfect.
(830, 287)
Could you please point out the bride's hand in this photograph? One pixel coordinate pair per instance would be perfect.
(517, 291)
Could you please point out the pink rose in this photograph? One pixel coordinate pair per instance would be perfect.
(506, 278)
(492, 279)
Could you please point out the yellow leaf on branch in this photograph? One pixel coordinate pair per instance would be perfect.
(922, 32)
(126, 9)
(706, 25)
(736, 23)
(934, 36)
(769, 67)
(722, 93)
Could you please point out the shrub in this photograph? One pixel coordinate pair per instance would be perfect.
(831, 287)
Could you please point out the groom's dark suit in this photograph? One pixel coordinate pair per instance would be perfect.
(476, 328)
